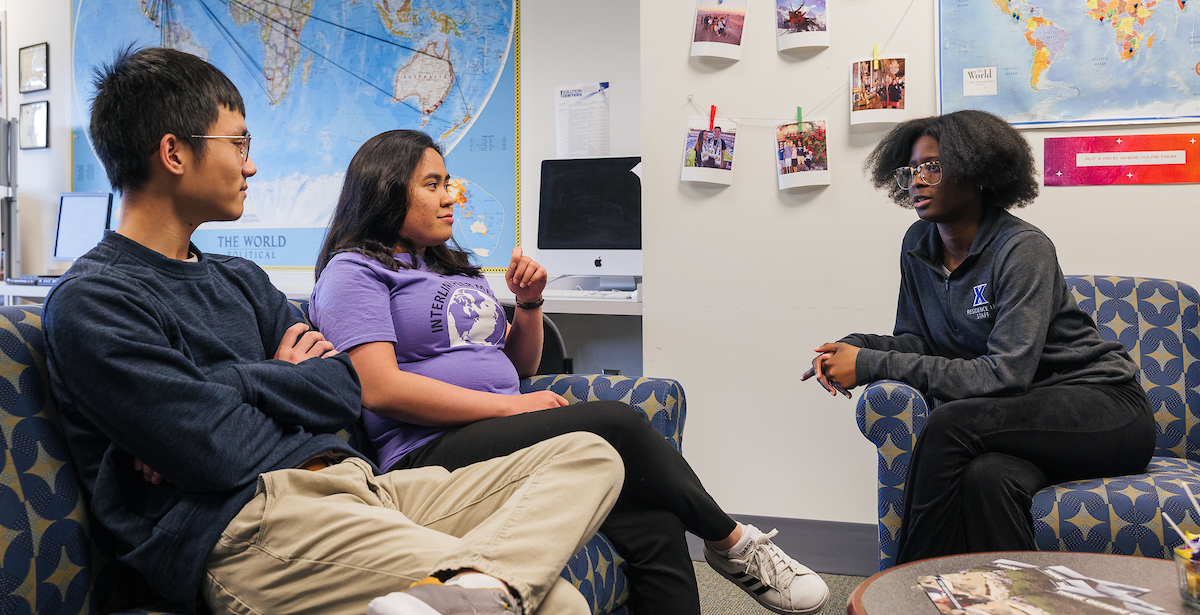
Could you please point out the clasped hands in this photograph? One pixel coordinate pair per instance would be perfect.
(834, 367)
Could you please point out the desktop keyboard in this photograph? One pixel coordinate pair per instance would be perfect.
(618, 295)
(33, 280)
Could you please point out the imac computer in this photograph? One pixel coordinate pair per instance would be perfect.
(590, 218)
(82, 219)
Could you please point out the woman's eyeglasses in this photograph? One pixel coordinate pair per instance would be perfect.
(930, 172)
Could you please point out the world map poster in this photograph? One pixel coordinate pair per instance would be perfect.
(319, 78)
(1055, 62)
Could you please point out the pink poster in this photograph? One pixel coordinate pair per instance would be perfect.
(1125, 159)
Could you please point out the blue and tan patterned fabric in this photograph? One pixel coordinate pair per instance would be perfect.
(598, 571)
(1158, 322)
(49, 565)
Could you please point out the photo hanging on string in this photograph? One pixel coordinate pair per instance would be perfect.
(877, 94)
(717, 29)
(708, 154)
(802, 154)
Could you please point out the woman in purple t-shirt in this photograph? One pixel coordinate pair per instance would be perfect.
(440, 366)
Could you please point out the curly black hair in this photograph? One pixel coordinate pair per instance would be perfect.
(975, 147)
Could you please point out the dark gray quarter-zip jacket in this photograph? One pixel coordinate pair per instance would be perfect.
(1002, 323)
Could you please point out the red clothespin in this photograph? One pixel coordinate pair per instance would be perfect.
(712, 116)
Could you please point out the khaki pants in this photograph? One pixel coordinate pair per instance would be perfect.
(329, 542)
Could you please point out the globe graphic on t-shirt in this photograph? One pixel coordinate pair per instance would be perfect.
(474, 318)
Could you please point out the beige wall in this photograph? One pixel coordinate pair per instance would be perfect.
(742, 282)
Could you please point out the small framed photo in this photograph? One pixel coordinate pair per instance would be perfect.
(34, 68)
(35, 125)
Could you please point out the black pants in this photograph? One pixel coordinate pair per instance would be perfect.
(978, 462)
(661, 498)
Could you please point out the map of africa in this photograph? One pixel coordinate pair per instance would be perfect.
(1071, 61)
(319, 78)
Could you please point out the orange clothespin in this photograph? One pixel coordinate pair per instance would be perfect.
(712, 116)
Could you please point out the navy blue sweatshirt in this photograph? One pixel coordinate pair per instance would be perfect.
(1002, 323)
(169, 362)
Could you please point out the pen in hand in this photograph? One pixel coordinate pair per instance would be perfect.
(812, 371)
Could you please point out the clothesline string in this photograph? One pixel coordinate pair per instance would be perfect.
(752, 120)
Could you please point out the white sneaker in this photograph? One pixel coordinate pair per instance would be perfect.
(776, 581)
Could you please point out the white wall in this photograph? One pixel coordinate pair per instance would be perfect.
(563, 43)
(742, 282)
(42, 173)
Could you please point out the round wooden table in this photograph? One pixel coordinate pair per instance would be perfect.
(895, 591)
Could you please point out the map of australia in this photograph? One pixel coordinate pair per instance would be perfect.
(1072, 61)
(319, 78)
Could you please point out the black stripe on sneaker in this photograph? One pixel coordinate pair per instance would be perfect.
(761, 590)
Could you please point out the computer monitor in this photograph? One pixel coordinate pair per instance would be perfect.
(82, 219)
(590, 217)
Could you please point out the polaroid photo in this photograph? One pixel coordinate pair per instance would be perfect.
(877, 94)
(802, 154)
(717, 30)
(801, 23)
(708, 154)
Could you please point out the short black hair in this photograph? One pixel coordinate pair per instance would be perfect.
(147, 93)
(975, 147)
(374, 202)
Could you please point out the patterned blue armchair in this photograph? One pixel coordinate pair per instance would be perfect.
(1157, 320)
(49, 565)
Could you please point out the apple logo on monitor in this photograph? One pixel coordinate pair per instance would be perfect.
(598, 263)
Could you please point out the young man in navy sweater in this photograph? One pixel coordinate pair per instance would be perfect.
(202, 413)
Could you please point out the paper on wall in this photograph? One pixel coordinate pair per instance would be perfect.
(581, 119)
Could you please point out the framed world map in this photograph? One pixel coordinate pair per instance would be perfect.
(1042, 63)
(319, 78)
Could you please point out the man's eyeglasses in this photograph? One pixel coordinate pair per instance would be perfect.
(241, 141)
(930, 172)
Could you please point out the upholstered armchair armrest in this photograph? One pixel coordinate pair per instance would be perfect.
(660, 400)
(891, 414)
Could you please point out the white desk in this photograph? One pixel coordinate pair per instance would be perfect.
(298, 285)
(10, 292)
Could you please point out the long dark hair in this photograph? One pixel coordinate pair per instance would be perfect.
(374, 202)
(975, 147)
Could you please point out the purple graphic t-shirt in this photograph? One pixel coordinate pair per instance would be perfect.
(450, 328)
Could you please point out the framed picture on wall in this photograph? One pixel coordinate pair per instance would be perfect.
(34, 68)
(35, 125)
